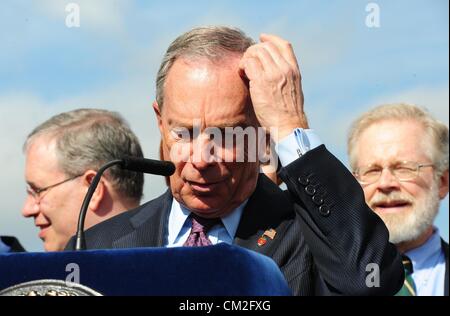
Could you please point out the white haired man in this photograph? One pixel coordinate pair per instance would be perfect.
(399, 154)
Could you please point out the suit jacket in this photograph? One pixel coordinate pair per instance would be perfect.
(326, 241)
(12, 243)
(446, 281)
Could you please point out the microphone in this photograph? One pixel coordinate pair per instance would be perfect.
(157, 167)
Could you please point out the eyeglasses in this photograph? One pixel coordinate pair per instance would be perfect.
(36, 192)
(402, 171)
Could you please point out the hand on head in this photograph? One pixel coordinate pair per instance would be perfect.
(275, 84)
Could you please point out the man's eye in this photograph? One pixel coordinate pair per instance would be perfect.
(404, 170)
(370, 172)
(182, 134)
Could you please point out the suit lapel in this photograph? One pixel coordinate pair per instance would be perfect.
(268, 208)
(149, 225)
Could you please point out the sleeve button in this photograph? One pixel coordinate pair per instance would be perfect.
(317, 199)
(303, 180)
(324, 210)
(310, 190)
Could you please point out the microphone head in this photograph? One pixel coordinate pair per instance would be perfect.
(157, 167)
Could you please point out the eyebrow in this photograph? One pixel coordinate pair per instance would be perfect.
(221, 125)
(32, 185)
(238, 123)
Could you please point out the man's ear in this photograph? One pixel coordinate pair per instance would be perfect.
(158, 115)
(443, 185)
(99, 193)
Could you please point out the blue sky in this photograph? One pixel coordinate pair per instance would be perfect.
(110, 62)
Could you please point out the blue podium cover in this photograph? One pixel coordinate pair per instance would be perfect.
(220, 270)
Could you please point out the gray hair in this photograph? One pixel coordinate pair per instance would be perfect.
(435, 130)
(210, 42)
(87, 139)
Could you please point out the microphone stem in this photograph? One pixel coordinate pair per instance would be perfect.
(80, 239)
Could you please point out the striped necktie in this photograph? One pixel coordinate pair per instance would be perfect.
(409, 287)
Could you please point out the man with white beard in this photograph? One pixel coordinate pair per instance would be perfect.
(399, 154)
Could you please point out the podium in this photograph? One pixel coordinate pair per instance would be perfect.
(220, 270)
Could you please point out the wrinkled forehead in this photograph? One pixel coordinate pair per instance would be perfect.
(392, 141)
(210, 91)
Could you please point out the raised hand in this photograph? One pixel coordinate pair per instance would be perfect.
(275, 84)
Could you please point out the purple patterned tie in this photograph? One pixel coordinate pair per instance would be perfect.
(200, 227)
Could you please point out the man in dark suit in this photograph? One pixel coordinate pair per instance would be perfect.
(213, 82)
(399, 153)
(10, 244)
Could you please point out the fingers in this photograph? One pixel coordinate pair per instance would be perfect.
(263, 55)
(275, 57)
(283, 47)
(274, 84)
(252, 67)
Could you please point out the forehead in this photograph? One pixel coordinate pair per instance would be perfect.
(392, 140)
(41, 159)
(212, 92)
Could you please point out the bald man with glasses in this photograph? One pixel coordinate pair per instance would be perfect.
(63, 155)
(399, 155)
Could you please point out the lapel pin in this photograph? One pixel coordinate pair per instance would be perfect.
(262, 241)
(270, 233)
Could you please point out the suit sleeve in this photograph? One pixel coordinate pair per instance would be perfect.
(348, 241)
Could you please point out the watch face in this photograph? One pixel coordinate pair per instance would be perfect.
(49, 288)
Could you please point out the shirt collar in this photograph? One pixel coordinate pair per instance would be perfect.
(179, 214)
(231, 221)
(177, 218)
(430, 248)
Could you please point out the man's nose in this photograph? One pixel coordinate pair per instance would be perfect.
(30, 207)
(204, 151)
(387, 181)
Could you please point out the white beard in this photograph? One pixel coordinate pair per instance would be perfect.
(410, 225)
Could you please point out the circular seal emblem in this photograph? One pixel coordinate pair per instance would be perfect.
(49, 288)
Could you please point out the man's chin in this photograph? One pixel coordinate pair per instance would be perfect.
(49, 246)
(394, 219)
(402, 226)
(209, 206)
